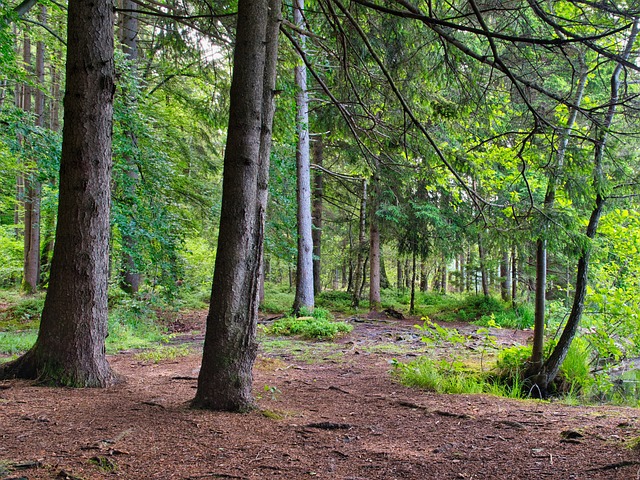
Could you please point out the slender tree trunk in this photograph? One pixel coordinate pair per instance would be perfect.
(412, 302)
(505, 274)
(32, 187)
(230, 348)
(547, 373)
(304, 279)
(362, 242)
(70, 348)
(514, 274)
(375, 302)
(400, 278)
(130, 277)
(318, 183)
(424, 278)
(384, 279)
(483, 267)
(541, 243)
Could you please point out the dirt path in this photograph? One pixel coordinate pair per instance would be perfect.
(343, 417)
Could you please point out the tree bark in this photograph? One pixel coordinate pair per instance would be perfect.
(304, 279)
(32, 186)
(362, 239)
(130, 277)
(505, 274)
(541, 243)
(545, 374)
(70, 349)
(230, 348)
(483, 267)
(318, 183)
(375, 302)
(384, 279)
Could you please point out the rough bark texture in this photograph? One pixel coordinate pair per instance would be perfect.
(375, 303)
(225, 378)
(304, 278)
(32, 187)
(130, 277)
(70, 345)
(318, 184)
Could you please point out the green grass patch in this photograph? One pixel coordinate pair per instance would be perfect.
(297, 350)
(163, 353)
(277, 299)
(315, 325)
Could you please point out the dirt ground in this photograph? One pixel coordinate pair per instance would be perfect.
(326, 411)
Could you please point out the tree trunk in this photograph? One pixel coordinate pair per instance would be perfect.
(70, 348)
(32, 187)
(541, 243)
(304, 279)
(400, 279)
(505, 274)
(545, 374)
(318, 182)
(225, 378)
(483, 267)
(412, 302)
(130, 277)
(375, 303)
(424, 277)
(362, 239)
(514, 274)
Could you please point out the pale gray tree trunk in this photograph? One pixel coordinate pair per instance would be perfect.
(304, 279)
(130, 277)
(375, 302)
(505, 274)
(230, 347)
(70, 348)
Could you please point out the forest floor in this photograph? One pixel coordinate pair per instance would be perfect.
(326, 410)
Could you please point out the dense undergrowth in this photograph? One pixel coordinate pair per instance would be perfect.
(140, 324)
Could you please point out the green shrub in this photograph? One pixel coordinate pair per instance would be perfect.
(335, 300)
(441, 377)
(318, 325)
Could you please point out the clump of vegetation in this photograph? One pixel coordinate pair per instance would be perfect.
(163, 352)
(520, 317)
(318, 325)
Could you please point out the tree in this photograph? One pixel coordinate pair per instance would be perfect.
(70, 348)
(304, 273)
(230, 348)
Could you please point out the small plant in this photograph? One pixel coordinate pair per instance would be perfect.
(434, 333)
(272, 391)
(105, 464)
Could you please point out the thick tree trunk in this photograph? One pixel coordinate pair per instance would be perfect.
(230, 348)
(130, 277)
(70, 348)
(304, 279)
(362, 239)
(318, 184)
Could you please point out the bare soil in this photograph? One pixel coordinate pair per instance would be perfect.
(325, 411)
